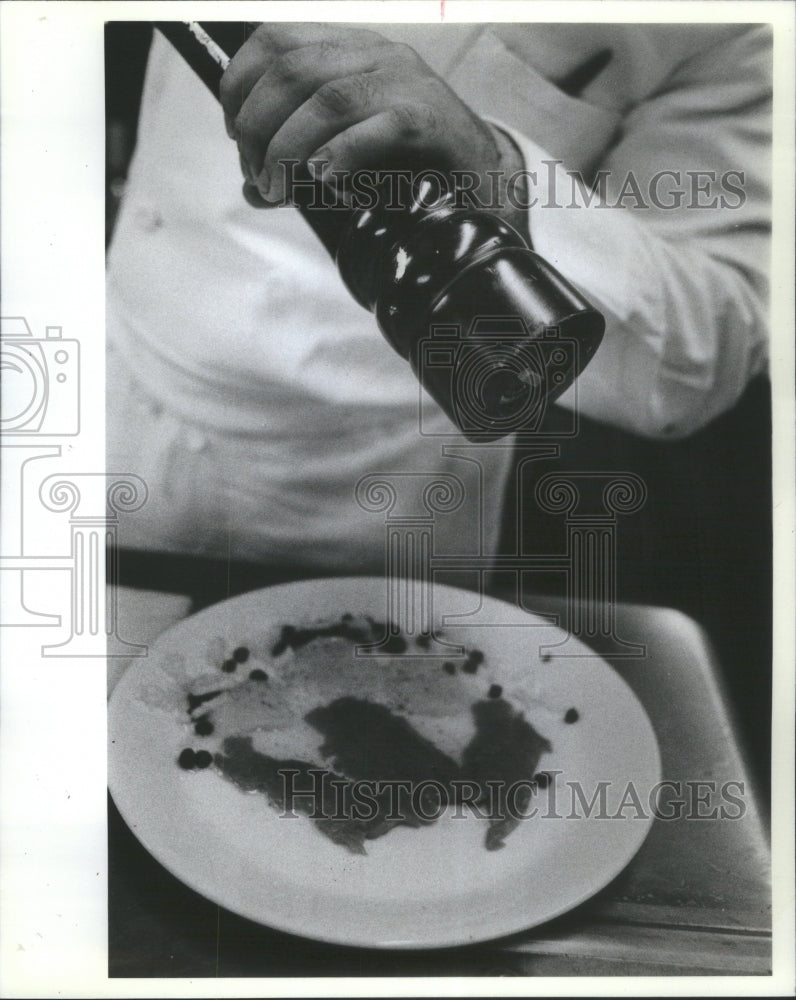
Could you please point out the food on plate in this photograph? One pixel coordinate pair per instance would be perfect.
(359, 735)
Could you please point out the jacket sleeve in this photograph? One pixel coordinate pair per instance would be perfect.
(671, 242)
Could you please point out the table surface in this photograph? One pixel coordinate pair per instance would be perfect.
(696, 899)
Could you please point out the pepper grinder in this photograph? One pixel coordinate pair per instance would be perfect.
(492, 331)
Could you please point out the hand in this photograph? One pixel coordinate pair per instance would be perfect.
(346, 99)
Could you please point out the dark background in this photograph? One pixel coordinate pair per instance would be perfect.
(702, 543)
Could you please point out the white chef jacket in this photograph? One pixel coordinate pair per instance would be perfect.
(253, 394)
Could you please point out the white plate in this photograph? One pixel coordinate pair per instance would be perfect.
(415, 888)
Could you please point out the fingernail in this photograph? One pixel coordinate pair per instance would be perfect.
(245, 169)
(275, 189)
(253, 196)
(264, 184)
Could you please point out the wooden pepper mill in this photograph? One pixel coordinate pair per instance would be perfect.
(493, 332)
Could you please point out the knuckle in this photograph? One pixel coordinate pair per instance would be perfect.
(325, 50)
(301, 64)
(290, 66)
(401, 52)
(262, 34)
(342, 97)
(411, 121)
(366, 36)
